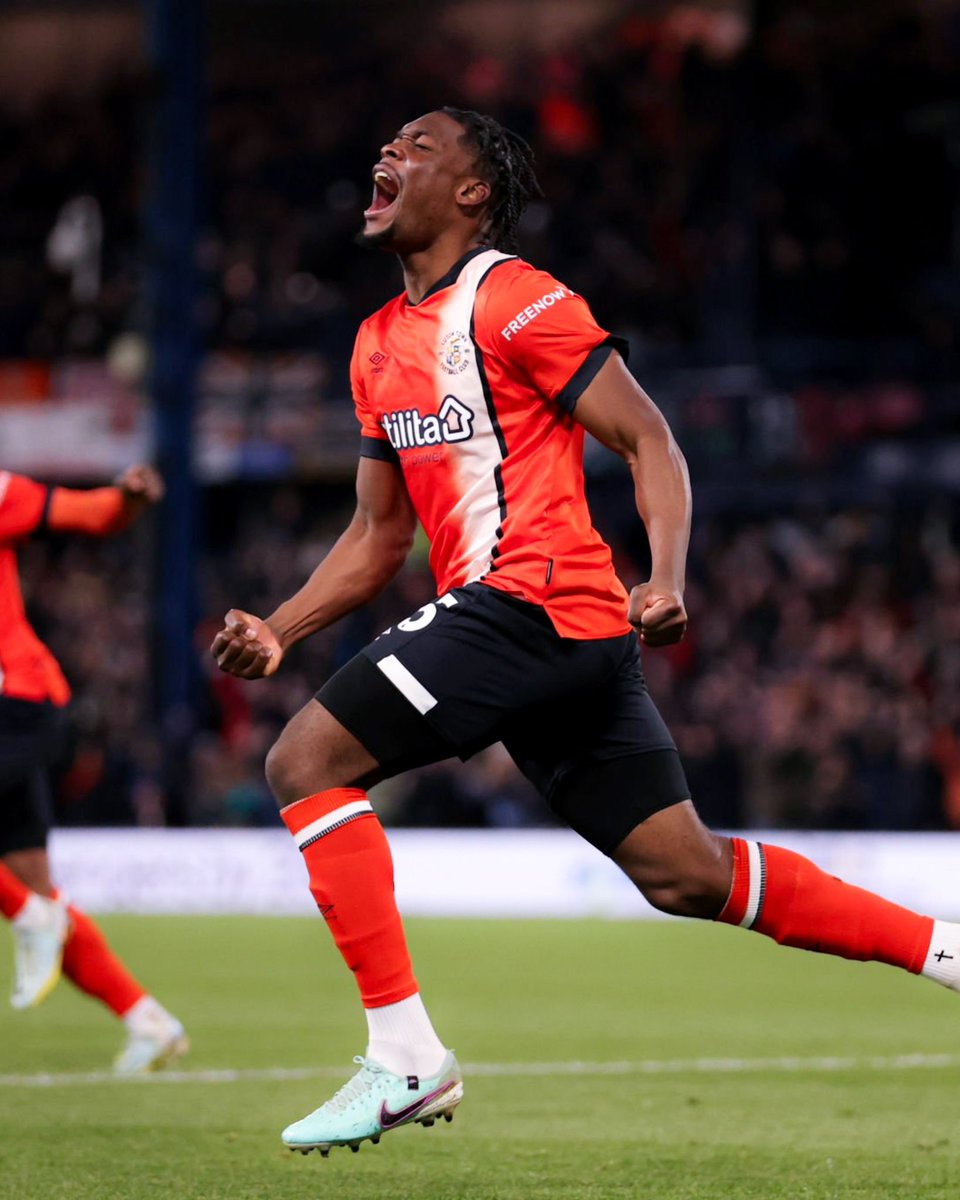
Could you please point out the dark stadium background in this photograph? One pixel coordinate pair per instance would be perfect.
(765, 199)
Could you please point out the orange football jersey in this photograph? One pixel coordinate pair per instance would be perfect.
(472, 391)
(28, 671)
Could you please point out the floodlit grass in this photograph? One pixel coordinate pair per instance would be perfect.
(260, 994)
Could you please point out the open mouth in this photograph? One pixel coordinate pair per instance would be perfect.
(386, 189)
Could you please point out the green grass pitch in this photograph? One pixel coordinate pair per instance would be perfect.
(259, 995)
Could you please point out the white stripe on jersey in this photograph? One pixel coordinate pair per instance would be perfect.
(478, 508)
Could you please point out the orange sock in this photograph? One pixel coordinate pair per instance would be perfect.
(89, 963)
(13, 893)
(785, 896)
(351, 878)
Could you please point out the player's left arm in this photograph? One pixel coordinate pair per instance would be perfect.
(99, 512)
(619, 413)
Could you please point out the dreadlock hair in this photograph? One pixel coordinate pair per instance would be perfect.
(507, 163)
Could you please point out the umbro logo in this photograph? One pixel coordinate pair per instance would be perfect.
(377, 358)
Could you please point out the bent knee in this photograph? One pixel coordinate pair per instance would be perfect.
(677, 863)
(694, 886)
(292, 775)
(278, 768)
(309, 758)
(684, 895)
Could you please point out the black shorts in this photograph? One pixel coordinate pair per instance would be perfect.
(478, 666)
(31, 738)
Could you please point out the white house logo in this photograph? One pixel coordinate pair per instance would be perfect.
(409, 427)
(455, 352)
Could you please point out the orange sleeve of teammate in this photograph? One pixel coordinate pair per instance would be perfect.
(22, 504)
(97, 512)
(544, 331)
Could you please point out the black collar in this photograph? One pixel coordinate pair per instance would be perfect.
(452, 275)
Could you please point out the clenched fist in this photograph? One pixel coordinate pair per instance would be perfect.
(141, 485)
(657, 614)
(246, 646)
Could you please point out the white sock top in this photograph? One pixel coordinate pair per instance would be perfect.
(943, 958)
(38, 912)
(402, 1038)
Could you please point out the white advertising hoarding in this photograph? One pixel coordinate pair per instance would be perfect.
(475, 873)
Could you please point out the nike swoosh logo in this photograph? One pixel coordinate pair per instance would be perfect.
(388, 1119)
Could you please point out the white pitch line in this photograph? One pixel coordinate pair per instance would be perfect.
(668, 1066)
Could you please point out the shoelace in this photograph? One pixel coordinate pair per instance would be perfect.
(356, 1086)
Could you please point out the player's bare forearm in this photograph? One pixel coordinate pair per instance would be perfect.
(662, 490)
(358, 568)
(362, 562)
(616, 410)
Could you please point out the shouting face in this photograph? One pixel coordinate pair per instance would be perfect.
(424, 185)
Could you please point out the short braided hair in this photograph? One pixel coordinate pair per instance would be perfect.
(507, 163)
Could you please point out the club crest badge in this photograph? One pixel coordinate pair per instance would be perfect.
(456, 352)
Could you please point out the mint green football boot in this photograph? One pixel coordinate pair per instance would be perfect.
(40, 932)
(374, 1102)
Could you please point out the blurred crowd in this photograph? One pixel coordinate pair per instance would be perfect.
(90, 601)
(819, 684)
(710, 186)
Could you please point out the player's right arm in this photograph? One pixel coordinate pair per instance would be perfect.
(362, 562)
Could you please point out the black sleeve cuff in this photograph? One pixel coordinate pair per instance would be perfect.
(584, 375)
(380, 448)
(45, 512)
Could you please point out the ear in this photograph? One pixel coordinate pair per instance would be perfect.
(473, 192)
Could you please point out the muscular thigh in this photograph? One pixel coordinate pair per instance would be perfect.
(601, 755)
(314, 752)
